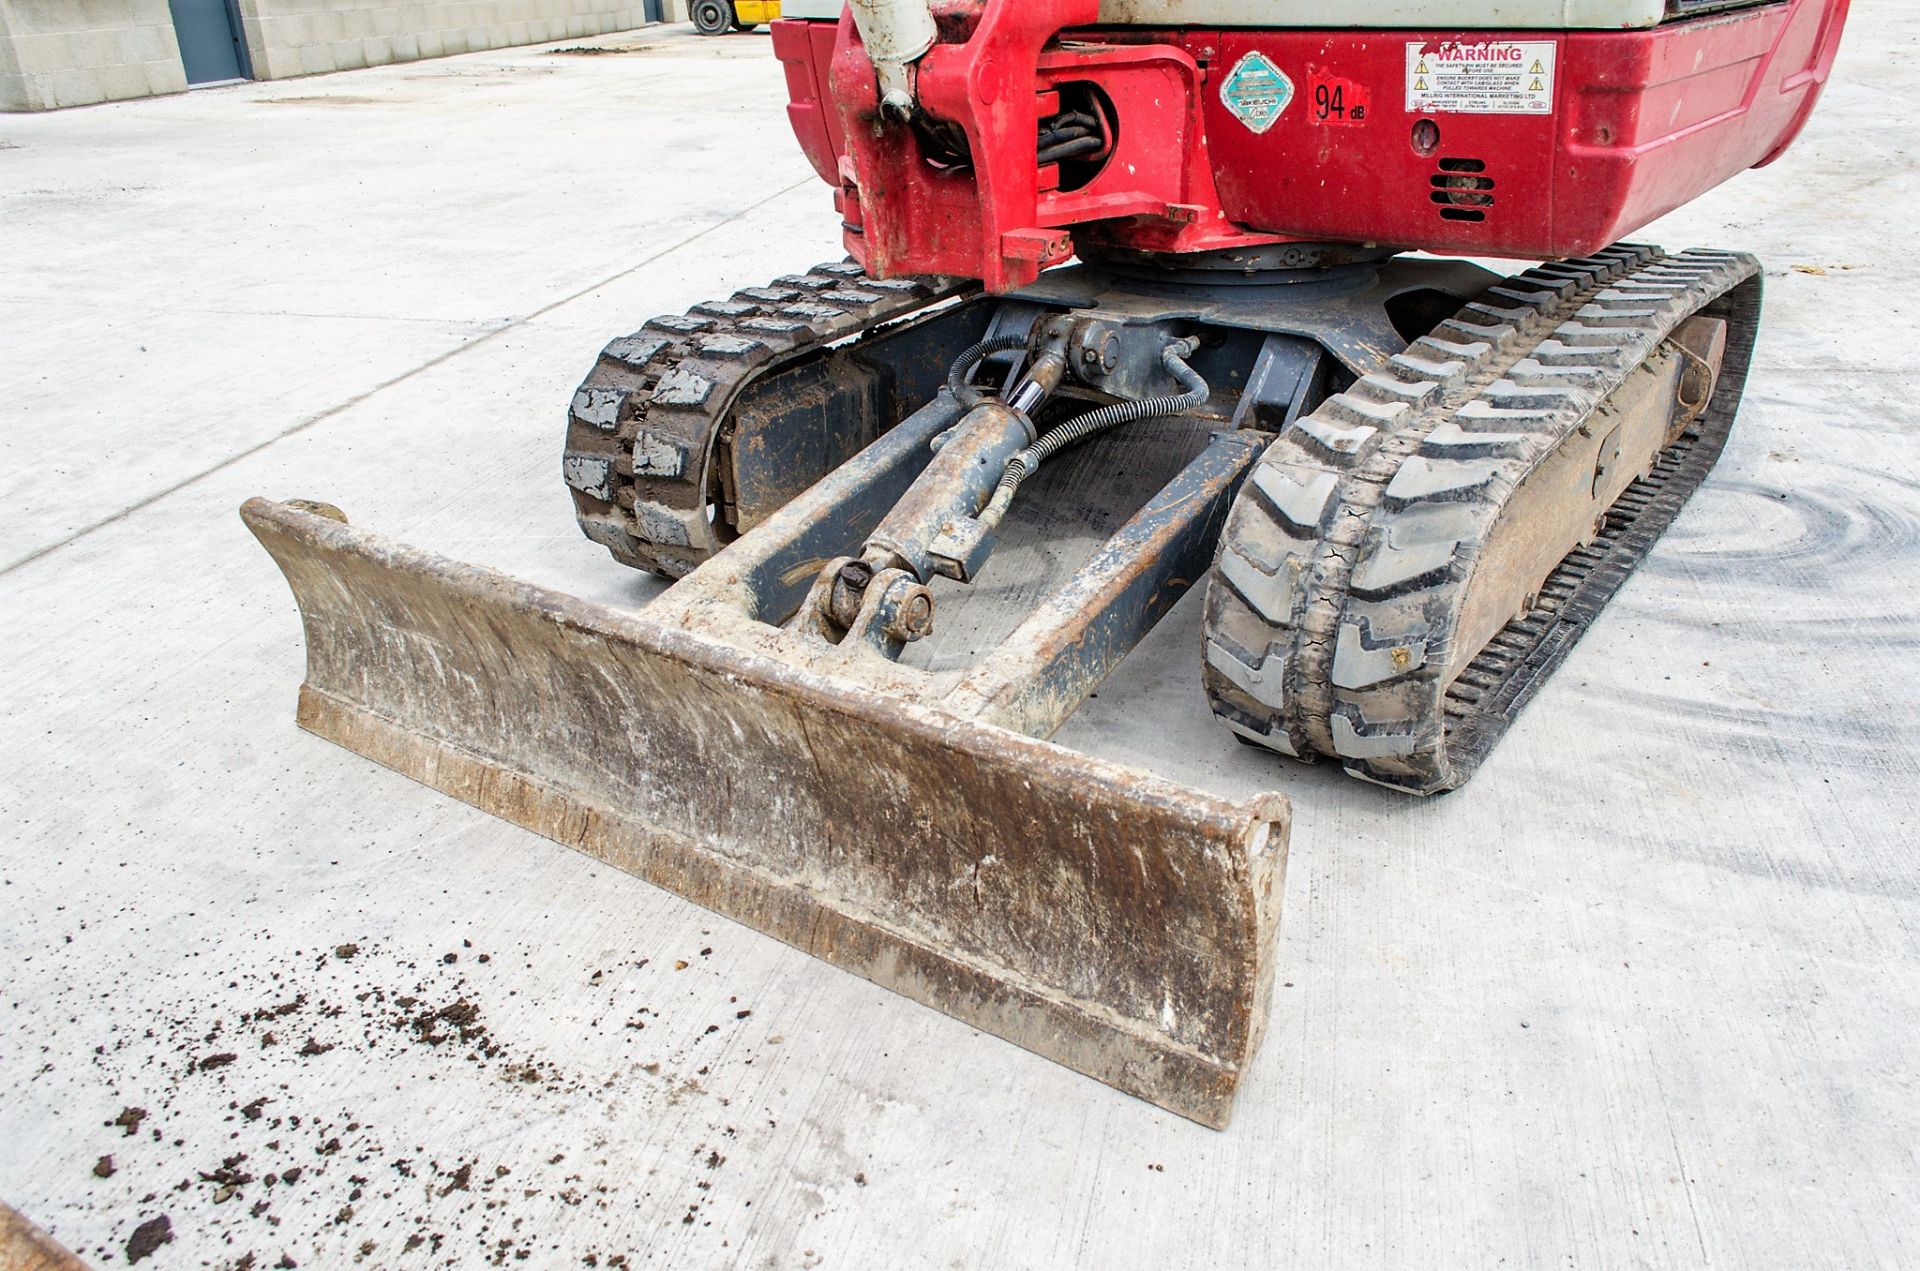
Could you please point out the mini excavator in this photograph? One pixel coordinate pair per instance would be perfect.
(1140, 295)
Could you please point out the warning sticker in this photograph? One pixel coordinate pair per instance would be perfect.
(1489, 78)
(1256, 91)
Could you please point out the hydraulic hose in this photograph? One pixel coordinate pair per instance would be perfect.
(1022, 465)
(1072, 135)
(963, 366)
(1072, 148)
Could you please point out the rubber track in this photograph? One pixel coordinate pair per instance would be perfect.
(1497, 684)
(1347, 560)
(645, 430)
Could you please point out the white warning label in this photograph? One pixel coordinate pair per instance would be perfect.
(1488, 78)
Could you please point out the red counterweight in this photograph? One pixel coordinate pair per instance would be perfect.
(1523, 144)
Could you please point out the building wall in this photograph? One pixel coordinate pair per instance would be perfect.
(75, 52)
(305, 37)
(57, 53)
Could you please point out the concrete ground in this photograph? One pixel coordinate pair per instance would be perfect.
(1647, 993)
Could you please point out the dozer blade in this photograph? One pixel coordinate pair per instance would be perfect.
(1105, 918)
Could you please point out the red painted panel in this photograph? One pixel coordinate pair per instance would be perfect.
(1643, 122)
(805, 49)
(1368, 182)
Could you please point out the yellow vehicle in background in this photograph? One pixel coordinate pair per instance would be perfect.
(717, 17)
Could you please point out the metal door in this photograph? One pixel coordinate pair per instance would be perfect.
(211, 46)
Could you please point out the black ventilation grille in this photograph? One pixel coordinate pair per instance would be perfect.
(1462, 189)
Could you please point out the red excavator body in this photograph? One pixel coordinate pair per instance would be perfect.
(1589, 136)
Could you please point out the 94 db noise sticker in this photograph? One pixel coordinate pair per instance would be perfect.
(1335, 99)
(1494, 77)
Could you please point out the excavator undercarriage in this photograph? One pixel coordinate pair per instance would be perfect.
(1421, 546)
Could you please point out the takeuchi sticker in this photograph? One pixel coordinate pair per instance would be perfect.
(1256, 91)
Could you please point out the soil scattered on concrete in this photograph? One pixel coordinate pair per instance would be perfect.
(290, 1170)
(598, 50)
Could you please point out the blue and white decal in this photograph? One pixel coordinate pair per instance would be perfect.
(1256, 91)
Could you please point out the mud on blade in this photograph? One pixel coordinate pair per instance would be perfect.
(1109, 920)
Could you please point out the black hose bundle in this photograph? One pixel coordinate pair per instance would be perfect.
(1070, 135)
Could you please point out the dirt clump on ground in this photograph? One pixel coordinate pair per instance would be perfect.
(149, 1236)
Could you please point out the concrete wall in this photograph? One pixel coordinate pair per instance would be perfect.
(304, 37)
(76, 52)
